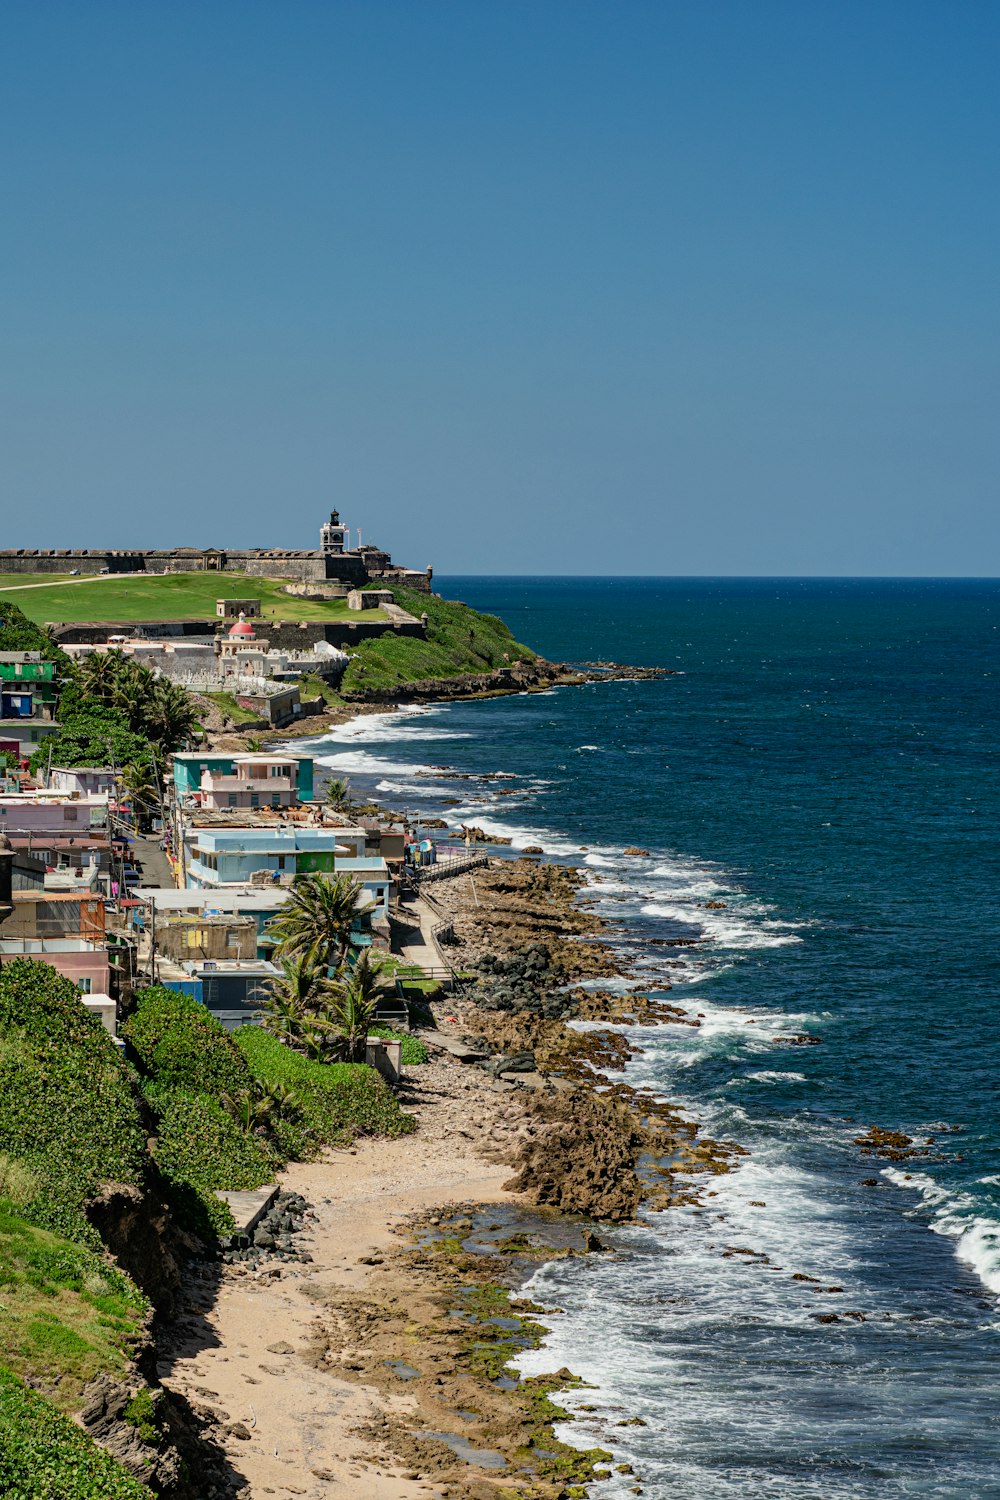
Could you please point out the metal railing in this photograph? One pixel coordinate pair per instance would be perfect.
(423, 874)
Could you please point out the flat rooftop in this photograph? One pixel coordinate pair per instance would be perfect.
(230, 898)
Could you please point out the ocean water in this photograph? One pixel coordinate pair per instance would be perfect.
(824, 763)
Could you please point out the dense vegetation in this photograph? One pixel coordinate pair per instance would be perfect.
(338, 1101)
(459, 640)
(44, 1456)
(412, 1052)
(69, 1121)
(189, 1064)
(231, 1110)
(19, 633)
(117, 712)
(68, 1114)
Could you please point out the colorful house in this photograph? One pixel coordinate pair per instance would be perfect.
(276, 780)
(25, 669)
(233, 856)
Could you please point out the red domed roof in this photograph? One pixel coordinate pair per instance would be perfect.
(242, 629)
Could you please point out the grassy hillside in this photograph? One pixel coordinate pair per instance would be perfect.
(68, 1114)
(173, 596)
(69, 1121)
(74, 1116)
(459, 640)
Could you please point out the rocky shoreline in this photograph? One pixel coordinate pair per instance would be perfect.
(375, 1352)
(538, 676)
(427, 1329)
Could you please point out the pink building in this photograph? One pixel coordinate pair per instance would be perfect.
(52, 812)
(85, 963)
(254, 781)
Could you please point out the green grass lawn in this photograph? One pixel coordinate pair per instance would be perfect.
(172, 596)
(15, 580)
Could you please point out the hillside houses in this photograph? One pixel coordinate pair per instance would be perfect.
(236, 831)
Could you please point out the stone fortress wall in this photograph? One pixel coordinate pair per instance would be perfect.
(350, 568)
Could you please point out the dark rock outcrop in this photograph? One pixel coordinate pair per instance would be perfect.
(580, 1156)
(168, 1445)
(139, 1232)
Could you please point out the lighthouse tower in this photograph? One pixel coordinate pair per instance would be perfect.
(334, 539)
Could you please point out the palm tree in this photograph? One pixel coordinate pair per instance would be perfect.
(97, 674)
(130, 689)
(291, 995)
(168, 713)
(317, 918)
(338, 793)
(138, 783)
(354, 1006)
(258, 1109)
(298, 1007)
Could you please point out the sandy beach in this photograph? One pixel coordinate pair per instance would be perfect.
(302, 1421)
(357, 1374)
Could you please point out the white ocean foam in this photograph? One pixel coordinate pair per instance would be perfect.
(723, 1031)
(774, 1075)
(520, 836)
(725, 929)
(363, 763)
(956, 1215)
(415, 722)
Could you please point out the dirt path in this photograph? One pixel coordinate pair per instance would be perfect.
(58, 583)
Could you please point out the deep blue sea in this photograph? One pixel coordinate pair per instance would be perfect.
(825, 764)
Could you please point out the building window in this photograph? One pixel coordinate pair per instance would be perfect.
(275, 799)
(231, 799)
(281, 861)
(85, 986)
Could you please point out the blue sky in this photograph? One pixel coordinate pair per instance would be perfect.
(522, 287)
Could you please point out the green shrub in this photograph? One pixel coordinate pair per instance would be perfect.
(44, 1456)
(412, 1053)
(339, 1100)
(17, 633)
(68, 1114)
(140, 1413)
(181, 1044)
(200, 1148)
(17, 1185)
